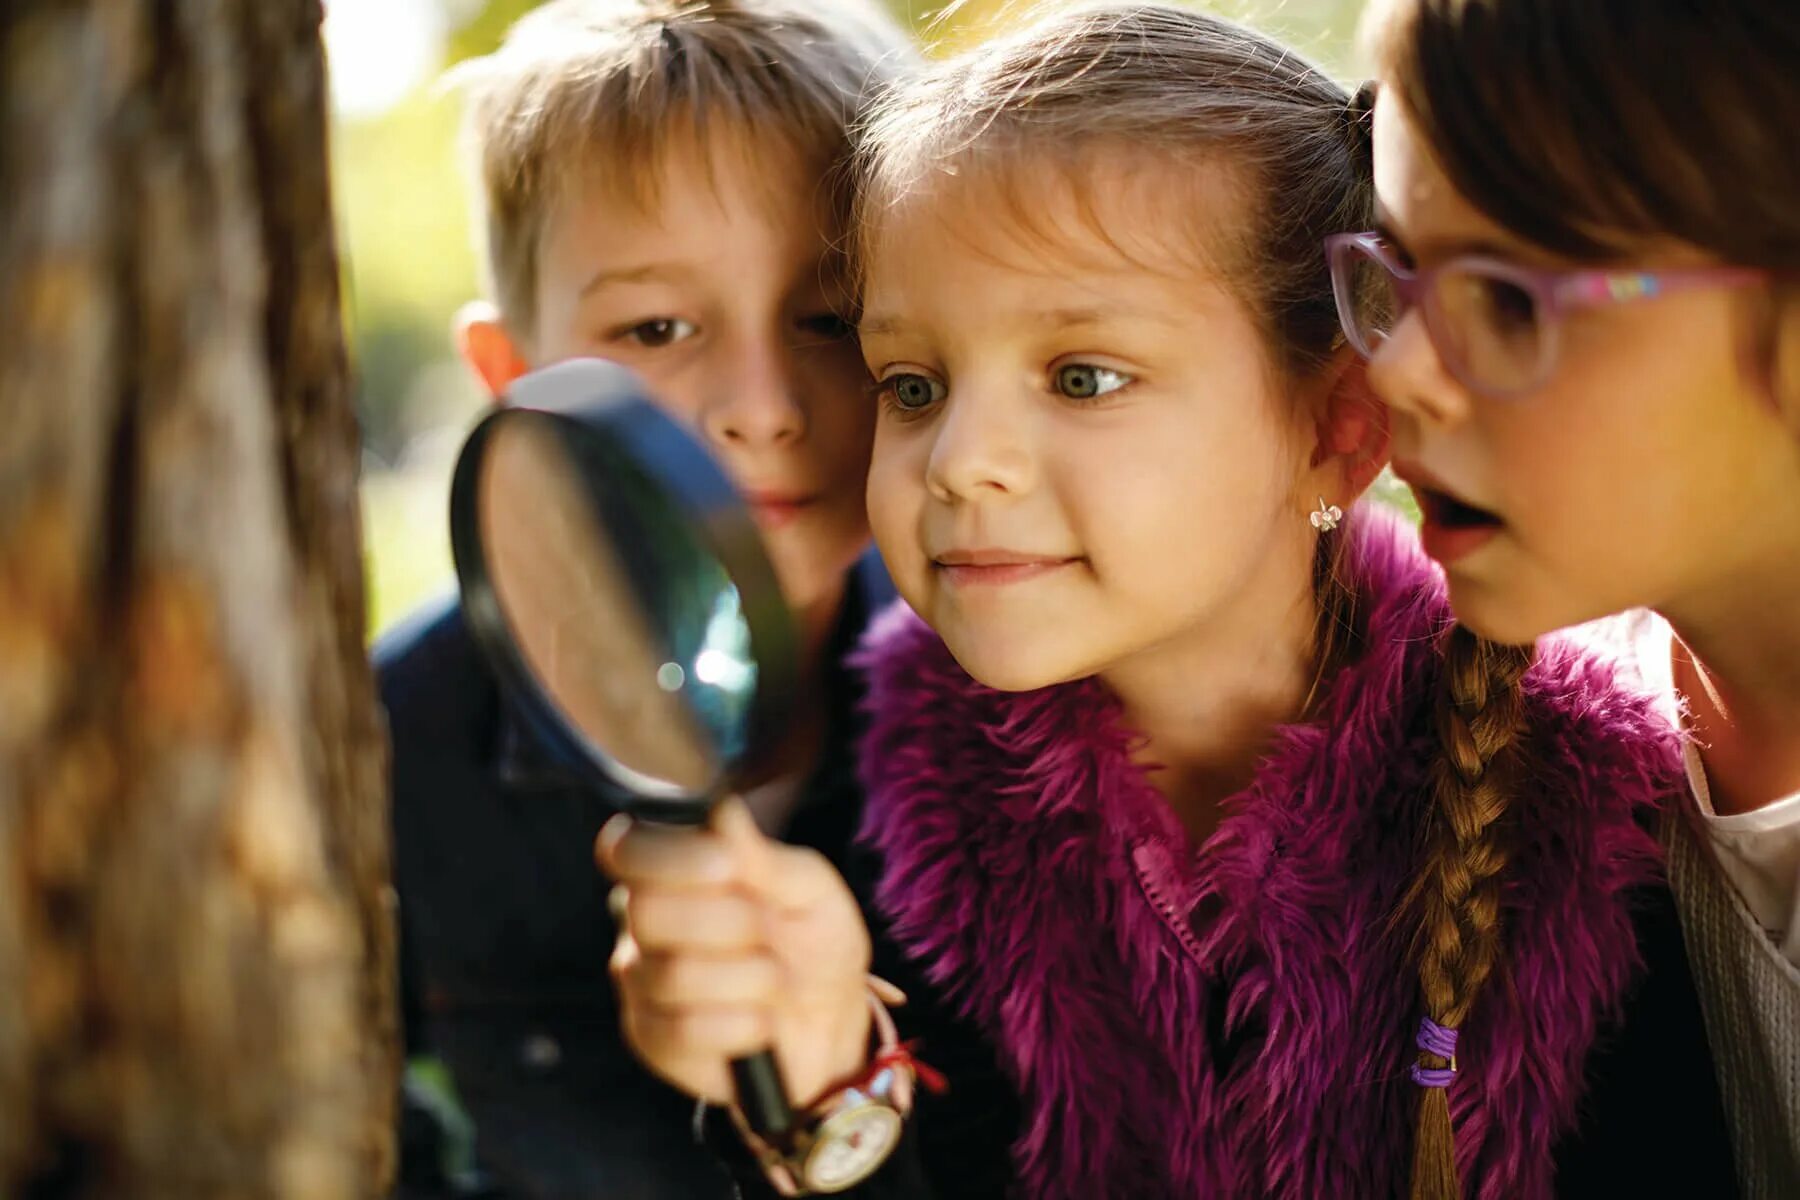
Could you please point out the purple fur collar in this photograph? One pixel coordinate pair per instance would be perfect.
(1237, 1020)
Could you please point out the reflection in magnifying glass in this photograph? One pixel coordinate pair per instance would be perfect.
(578, 622)
(620, 590)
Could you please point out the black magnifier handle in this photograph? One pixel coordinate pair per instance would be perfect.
(762, 1097)
(761, 1093)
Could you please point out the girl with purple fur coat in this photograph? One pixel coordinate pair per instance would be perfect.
(1217, 860)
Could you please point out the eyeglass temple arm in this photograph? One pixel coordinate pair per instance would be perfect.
(1587, 289)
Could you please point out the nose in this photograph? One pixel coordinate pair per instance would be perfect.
(1407, 373)
(757, 400)
(981, 450)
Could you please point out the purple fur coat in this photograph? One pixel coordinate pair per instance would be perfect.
(1236, 1019)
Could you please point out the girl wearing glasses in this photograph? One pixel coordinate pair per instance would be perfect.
(1210, 854)
(1582, 301)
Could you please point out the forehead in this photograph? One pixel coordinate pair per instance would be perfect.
(1415, 198)
(966, 280)
(692, 198)
(1098, 215)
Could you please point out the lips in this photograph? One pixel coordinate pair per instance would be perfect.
(989, 566)
(1452, 528)
(775, 508)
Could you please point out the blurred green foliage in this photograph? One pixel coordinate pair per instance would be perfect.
(410, 264)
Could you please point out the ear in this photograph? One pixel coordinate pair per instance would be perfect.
(484, 343)
(1351, 428)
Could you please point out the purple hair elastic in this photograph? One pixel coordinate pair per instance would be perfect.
(1435, 1039)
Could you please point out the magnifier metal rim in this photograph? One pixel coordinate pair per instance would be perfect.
(713, 510)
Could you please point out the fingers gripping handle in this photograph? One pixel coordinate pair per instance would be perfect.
(761, 1094)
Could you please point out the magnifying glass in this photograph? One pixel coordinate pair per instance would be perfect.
(619, 589)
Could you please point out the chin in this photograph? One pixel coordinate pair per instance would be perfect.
(1508, 619)
(1015, 668)
(811, 572)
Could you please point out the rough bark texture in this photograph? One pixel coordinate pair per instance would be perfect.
(195, 919)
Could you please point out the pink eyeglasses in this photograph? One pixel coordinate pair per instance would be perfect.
(1494, 324)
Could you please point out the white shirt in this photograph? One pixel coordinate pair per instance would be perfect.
(1758, 851)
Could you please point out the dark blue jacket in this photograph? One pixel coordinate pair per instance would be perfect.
(505, 937)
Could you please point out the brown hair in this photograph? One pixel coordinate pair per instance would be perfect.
(1197, 91)
(597, 90)
(1185, 86)
(1589, 128)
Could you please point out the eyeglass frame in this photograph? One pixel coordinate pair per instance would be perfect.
(1555, 293)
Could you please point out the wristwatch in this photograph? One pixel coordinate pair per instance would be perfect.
(848, 1133)
(853, 1134)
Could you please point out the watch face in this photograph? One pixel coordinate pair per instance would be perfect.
(849, 1147)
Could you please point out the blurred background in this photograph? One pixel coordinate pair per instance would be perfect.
(409, 256)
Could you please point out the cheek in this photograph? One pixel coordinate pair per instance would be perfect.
(1567, 481)
(562, 331)
(896, 495)
(1183, 520)
(1609, 454)
(1218, 462)
(554, 341)
(1542, 450)
(1179, 509)
(841, 417)
(1622, 481)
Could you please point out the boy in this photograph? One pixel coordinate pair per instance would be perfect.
(658, 186)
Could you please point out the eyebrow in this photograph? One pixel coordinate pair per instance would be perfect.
(883, 324)
(824, 271)
(879, 326)
(643, 273)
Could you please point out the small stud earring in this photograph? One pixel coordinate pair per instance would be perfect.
(1325, 518)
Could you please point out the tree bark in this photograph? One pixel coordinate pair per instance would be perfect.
(196, 956)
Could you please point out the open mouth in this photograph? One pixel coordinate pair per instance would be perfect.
(1447, 512)
(1453, 529)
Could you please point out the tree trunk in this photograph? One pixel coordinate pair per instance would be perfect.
(195, 919)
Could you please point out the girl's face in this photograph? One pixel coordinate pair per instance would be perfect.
(1650, 469)
(1078, 459)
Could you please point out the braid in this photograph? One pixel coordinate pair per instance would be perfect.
(1480, 718)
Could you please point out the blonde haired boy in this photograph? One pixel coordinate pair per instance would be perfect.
(659, 185)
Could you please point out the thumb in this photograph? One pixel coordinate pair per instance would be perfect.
(749, 847)
(794, 879)
(781, 875)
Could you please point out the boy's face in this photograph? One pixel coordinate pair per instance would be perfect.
(723, 295)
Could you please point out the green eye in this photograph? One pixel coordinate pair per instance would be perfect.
(912, 393)
(1085, 381)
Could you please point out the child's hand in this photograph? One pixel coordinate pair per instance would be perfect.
(730, 943)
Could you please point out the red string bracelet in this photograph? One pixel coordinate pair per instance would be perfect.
(898, 1056)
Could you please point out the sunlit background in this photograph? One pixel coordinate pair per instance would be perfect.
(410, 260)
